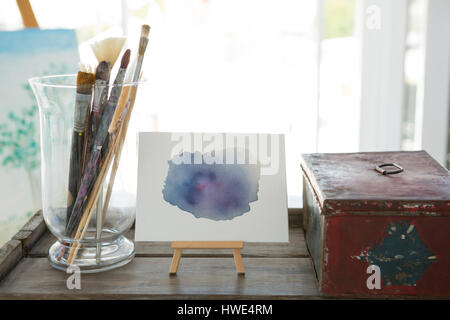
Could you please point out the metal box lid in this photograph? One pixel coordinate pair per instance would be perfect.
(348, 183)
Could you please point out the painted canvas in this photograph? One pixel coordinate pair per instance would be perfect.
(211, 187)
(24, 54)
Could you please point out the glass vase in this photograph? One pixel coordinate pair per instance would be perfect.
(97, 242)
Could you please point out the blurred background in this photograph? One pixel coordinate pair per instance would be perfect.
(333, 75)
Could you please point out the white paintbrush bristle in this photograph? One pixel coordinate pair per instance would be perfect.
(108, 49)
(86, 67)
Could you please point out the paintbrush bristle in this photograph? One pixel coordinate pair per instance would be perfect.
(103, 71)
(85, 67)
(108, 49)
(85, 81)
(145, 30)
(125, 59)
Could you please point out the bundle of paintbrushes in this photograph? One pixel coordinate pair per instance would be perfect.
(102, 114)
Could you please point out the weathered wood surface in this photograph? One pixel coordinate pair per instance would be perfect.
(296, 248)
(347, 182)
(273, 271)
(10, 255)
(198, 278)
(15, 249)
(412, 255)
(313, 222)
(31, 232)
(356, 218)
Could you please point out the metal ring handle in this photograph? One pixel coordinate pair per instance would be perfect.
(380, 169)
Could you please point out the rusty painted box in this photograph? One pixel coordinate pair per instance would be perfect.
(357, 220)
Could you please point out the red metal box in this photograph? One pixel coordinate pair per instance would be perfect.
(373, 234)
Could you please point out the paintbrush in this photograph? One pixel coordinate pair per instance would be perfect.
(100, 94)
(117, 132)
(85, 81)
(123, 114)
(108, 49)
(118, 82)
(88, 210)
(98, 176)
(143, 42)
(100, 140)
(121, 74)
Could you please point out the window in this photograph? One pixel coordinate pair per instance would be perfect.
(414, 64)
(235, 66)
(339, 76)
(313, 70)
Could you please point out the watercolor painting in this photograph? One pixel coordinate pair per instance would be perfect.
(24, 54)
(183, 195)
(212, 191)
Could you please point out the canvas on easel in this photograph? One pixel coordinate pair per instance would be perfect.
(211, 187)
(24, 54)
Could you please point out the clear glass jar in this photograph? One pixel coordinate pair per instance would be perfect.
(101, 246)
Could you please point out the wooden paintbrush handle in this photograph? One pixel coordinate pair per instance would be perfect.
(131, 95)
(124, 97)
(92, 199)
(26, 11)
(114, 150)
(74, 170)
(112, 177)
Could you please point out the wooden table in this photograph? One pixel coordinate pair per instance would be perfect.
(273, 271)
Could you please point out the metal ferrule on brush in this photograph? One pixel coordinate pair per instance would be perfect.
(82, 102)
(117, 88)
(101, 91)
(142, 47)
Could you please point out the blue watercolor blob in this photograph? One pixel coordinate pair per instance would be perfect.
(213, 191)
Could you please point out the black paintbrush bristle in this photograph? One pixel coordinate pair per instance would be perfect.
(103, 71)
(125, 59)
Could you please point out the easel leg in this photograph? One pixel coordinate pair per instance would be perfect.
(236, 246)
(238, 261)
(175, 261)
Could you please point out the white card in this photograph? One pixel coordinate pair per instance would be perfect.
(211, 187)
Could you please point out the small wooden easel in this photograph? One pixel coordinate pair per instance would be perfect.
(236, 246)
